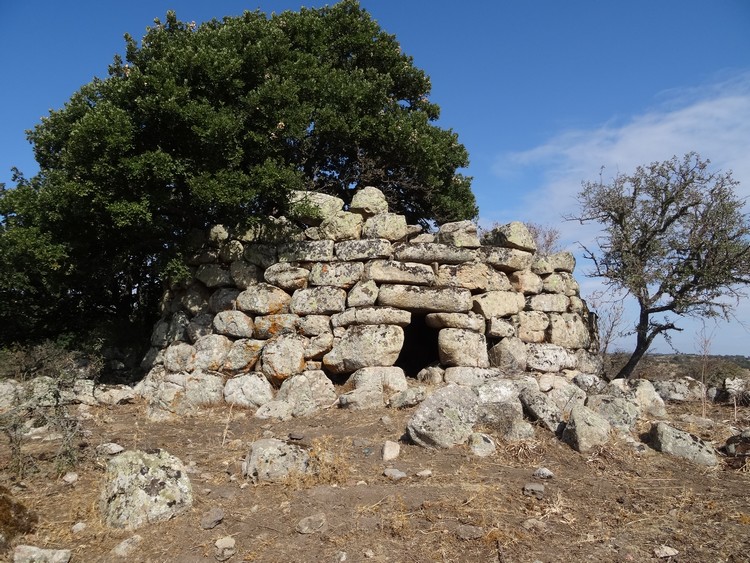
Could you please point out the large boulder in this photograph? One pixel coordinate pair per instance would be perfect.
(667, 439)
(142, 488)
(586, 429)
(365, 346)
(461, 347)
(248, 390)
(445, 419)
(273, 460)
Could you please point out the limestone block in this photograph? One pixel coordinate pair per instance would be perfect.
(500, 328)
(549, 357)
(468, 321)
(515, 235)
(364, 346)
(526, 282)
(372, 316)
(180, 357)
(426, 299)
(542, 266)
(541, 408)
(313, 325)
(498, 281)
(260, 254)
(307, 392)
(231, 250)
(396, 272)
(533, 320)
(321, 300)
(368, 249)
(577, 305)
(243, 355)
(445, 419)
(472, 276)
(667, 439)
(217, 235)
(460, 347)
(569, 330)
(505, 259)
(363, 294)
(249, 390)
(389, 226)
(211, 351)
(312, 208)
(243, 273)
(223, 299)
(273, 460)
(263, 299)
(461, 234)
(341, 226)
(318, 346)
(549, 303)
(200, 325)
(306, 251)
(283, 357)
(369, 201)
(509, 354)
(143, 488)
(562, 262)
(286, 276)
(586, 429)
(195, 299)
(268, 326)
(337, 274)
(498, 304)
(620, 412)
(213, 275)
(470, 376)
(561, 282)
(427, 253)
(235, 324)
(422, 238)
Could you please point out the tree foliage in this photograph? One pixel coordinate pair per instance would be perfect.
(675, 238)
(216, 123)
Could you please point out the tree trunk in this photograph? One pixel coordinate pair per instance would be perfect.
(643, 341)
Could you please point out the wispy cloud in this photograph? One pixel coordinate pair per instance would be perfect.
(713, 120)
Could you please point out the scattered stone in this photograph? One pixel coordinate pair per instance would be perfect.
(533, 524)
(543, 473)
(126, 547)
(664, 552)
(394, 474)
(391, 450)
(110, 448)
(540, 408)
(141, 488)
(224, 548)
(424, 474)
(535, 490)
(409, 398)
(78, 527)
(675, 442)
(212, 518)
(585, 429)
(273, 460)
(312, 524)
(31, 554)
(70, 478)
(468, 532)
(481, 445)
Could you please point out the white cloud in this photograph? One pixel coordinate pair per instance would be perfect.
(712, 120)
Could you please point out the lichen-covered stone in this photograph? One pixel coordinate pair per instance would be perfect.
(369, 201)
(249, 390)
(388, 226)
(283, 357)
(568, 330)
(425, 299)
(505, 259)
(336, 274)
(321, 300)
(364, 346)
(396, 272)
(498, 303)
(312, 208)
(428, 253)
(243, 355)
(213, 275)
(549, 303)
(143, 488)
(263, 299)
(341, 226)
(368, 249)
(460, 347)
(472, 276)
(460, 233)
(306, 251)
(468, 321)
(371, 316)
(235, 324)
(286, 276)
(363, 294)
(269, 326)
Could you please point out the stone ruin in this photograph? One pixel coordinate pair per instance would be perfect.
(276, 315)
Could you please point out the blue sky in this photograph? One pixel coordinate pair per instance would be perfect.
(542, 93)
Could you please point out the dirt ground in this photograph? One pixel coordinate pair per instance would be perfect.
(615, 504)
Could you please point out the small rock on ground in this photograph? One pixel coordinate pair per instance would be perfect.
(391, 450)
(312, 524)
(533, 490)
(394, 474)
(224, 548)
(543, 473)
(212, 518)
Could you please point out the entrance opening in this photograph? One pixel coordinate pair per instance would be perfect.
(420, 346)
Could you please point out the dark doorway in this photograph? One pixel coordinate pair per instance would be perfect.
(420, 346)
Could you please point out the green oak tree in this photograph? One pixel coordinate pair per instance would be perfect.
(675, 237)
(216, 123)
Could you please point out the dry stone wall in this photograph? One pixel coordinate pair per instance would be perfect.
(360, 294)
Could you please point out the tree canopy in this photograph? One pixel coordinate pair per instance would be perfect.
(675, 238)
(216, 123)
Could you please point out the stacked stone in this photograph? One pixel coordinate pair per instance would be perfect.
(290, 307)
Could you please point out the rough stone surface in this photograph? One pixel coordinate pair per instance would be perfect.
(540, 408)
(142, 488)
(273, 460)
(248, 390)
(585, 429)
(283, 357)
(667, 439)
(363, 346)
(461, 347)
(32, 554)
(425, 299)
(445, 418)
(498, 304)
